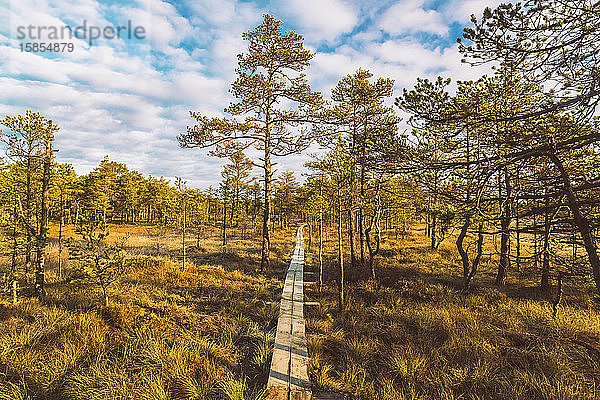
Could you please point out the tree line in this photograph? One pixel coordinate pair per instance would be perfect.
(36, 191)
(509, 156)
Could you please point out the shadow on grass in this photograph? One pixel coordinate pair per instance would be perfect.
(20, 385)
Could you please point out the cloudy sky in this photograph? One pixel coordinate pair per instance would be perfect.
(129, 98)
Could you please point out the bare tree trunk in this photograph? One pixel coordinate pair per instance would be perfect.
(266, 240)
(434, 212)
(504, 262)
(361, 215)
(535, 241)
(13, 260)
(42, 238)
(574, 248)
(462, 252)
(310, 233)
(224, 226)
(28, 199)
(183, 230)
(432, 230)
(373, 251)
(320, 248)
(105, 295)
(518, 227)
(60, 247)
(15, 289)
(361, 236)
(231, 214)
(545, 282)
(351, 200)
(559, 292)
(351, 235)
(374, 223)
(340, 250)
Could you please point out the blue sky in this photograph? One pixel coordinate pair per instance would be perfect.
(130, 98)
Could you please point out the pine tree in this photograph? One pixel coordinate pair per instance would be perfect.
(29, 141)
(286, 196)
(237, 172)
(64, 183)
(268, 75)
(183, 200)
(336, 166)
(95, 261)
(361, 116)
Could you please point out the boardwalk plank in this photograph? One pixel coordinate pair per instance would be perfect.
(288, 378)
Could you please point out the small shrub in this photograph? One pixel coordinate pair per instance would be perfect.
(96, 262)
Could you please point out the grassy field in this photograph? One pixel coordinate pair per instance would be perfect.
(203, 332)
(206, 331)
(419, 336)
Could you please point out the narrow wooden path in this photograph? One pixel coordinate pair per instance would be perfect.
(288, 378)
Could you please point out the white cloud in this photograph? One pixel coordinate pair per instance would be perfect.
(403, 60)
(199, 91)
(461, 10)
(408, 16)
(409, 53)
(163, 24)
(109, 100)
(322, 19)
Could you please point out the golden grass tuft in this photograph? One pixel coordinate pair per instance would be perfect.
(419, 336)
(199, 332)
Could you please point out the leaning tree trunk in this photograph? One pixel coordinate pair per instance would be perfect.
(580, 221)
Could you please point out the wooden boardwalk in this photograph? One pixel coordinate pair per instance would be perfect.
(288, 378)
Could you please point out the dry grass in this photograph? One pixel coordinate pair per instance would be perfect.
(419, 336)
(203, 332)
(206, 331)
